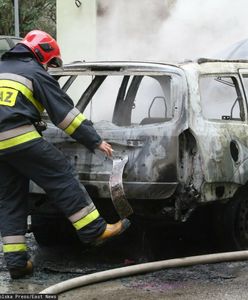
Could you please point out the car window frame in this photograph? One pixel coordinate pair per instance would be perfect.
(240, 95)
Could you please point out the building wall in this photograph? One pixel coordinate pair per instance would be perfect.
(76, 29)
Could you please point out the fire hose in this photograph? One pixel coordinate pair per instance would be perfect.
(143, 268)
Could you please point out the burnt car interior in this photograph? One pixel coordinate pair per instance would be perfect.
(126, 100)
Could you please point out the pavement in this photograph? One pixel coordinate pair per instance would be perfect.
(222, 281)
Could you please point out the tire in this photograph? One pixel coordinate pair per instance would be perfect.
(231, 223)
(241, 223)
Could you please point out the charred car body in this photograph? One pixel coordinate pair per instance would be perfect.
(183, 128)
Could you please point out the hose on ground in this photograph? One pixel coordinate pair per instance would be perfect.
(143, 268)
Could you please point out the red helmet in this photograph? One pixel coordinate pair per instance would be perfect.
(44, 47)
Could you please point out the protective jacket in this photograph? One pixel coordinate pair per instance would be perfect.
(26, 90)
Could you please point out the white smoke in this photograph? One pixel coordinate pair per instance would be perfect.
(169, 29)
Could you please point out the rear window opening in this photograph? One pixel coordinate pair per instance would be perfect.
(125, 100)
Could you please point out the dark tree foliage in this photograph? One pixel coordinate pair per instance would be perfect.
(35, 14)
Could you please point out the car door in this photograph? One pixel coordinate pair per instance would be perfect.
(221, 130)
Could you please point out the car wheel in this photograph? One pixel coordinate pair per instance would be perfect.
(231, 223)
(241, 224)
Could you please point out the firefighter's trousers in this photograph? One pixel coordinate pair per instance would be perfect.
(48, 168)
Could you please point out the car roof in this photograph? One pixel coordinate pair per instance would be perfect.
(113, 66)
(139, 67)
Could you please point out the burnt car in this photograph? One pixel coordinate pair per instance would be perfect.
(181, 132)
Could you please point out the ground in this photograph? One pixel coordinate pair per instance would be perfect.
(222, 281)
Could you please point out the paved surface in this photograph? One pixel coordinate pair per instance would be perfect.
(218, 282)
(223, 281)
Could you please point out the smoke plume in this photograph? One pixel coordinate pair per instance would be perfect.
(168, 30)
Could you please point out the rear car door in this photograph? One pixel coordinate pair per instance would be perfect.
(221, 130)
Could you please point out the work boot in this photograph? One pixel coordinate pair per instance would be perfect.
(112, 231)
(20, 272)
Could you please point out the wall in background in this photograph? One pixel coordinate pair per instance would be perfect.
(76, 29)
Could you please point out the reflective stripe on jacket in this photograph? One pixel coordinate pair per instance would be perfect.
(72, 121)
(22, 85)
(17, 136)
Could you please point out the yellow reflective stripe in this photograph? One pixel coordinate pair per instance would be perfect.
(75, 124)
(82, 213)
(14, 248)
(19, 139)
(24, 90)
(86, 220)
(8, 134)
(69, 118)
(14, 77)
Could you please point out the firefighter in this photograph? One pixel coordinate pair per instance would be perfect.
(26, 90)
